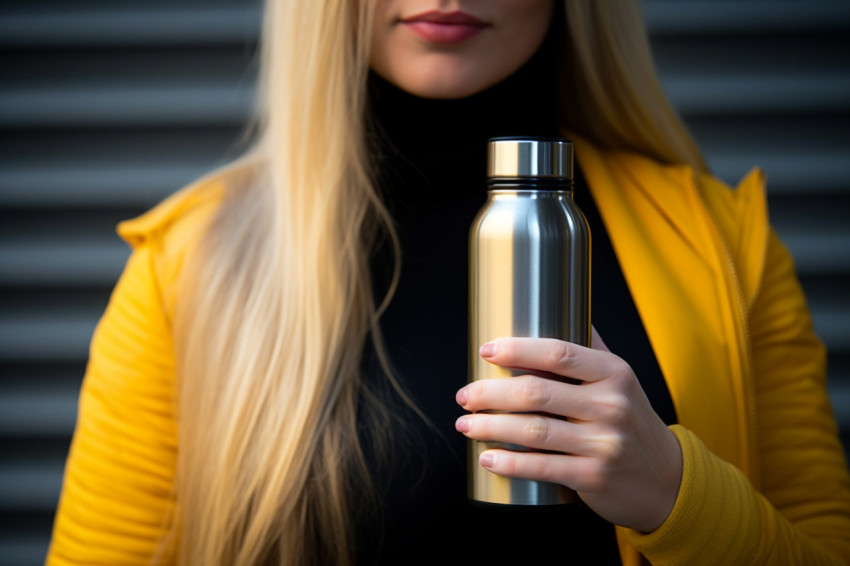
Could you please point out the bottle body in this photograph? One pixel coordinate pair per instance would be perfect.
(529, 277)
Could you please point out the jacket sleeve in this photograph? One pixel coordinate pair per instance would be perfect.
(801, 512)
(117, 493)
(804, 471)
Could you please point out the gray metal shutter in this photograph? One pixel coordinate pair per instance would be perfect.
(767, 83)
(106, 107)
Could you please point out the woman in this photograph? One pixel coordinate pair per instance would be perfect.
(242, 405)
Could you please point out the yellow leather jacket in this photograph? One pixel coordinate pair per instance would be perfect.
(764, 480)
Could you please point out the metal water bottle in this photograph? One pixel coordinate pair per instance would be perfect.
(529, 266)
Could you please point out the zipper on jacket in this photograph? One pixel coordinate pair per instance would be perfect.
(732, 279)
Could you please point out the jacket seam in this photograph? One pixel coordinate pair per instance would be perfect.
(741, 311)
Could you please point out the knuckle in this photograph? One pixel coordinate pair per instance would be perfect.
(615, 410)
(621, 372)
(610, 447)
(546, 470)
(560, 355)
(537, 430)
(532, 393)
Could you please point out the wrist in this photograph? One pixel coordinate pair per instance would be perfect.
(670, 476)
(710, 522)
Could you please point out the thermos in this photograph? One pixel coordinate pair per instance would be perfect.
(529, 277)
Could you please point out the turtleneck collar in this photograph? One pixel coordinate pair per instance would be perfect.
(522, 104)
(429, 149)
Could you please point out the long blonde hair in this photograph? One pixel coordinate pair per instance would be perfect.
(277, 302)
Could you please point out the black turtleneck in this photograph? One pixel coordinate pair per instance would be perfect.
(431, 155)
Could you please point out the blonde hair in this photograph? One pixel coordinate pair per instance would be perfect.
(277, 302)
(615, 97)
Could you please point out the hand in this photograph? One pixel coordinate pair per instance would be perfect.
(613, 449)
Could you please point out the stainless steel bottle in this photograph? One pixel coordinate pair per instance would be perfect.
(529, 276)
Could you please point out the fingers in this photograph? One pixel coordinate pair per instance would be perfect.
(575, 472)
(542, 432)
(526, 394)
(554, 356)
(532, 431)
(611, 448)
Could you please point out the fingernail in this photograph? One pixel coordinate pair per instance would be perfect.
(486, 460)
(461, 397)
(462, 424)
(488, 350)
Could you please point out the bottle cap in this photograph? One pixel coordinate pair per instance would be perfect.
(529, 157)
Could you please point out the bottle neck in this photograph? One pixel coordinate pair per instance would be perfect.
(531, 185)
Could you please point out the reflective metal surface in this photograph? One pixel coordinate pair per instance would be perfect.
(529, 276)
(542, 158)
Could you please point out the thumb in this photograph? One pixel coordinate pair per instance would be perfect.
(596, 341)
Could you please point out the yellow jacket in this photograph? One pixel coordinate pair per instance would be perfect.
(764, 479)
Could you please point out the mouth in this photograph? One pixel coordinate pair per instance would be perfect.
(445, 27)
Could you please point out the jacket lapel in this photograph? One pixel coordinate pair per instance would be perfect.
(663, 240)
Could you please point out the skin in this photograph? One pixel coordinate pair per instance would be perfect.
(615, 451)
(515, 31)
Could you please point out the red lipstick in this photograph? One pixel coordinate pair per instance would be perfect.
(445, 27)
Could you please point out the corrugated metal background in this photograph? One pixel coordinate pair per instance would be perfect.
(106, 107)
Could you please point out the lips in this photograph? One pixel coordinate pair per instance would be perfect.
(445, 27)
